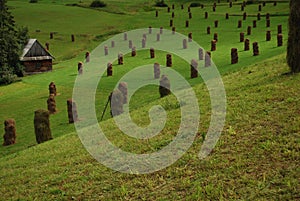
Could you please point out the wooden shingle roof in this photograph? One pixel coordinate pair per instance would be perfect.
(34, 51)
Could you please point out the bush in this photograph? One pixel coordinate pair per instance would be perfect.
(97, 4)
(195, 4)
(19, 70)
(6, 76)
(161, 3)
(33, 1)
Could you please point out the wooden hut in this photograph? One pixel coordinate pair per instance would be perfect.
(36, 58)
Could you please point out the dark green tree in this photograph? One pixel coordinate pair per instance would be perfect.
(12, 41)
(293, 48)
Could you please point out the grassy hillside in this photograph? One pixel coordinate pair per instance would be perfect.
(256, 158)
(257, 155)
(91, 27)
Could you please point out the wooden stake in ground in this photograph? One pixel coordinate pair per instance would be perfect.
(240, 24)
(184, 43)
(73, 38)
(125, 36)
(105, 50)
(242, 37)
(194, 69)
(133, 51)
(51, 104)
(244, 16)
(187, 23)
(72, 111)
(258, 16)
(206, 15)
(109, 69)
(213, 45)
(234, 56)
(190, 37)
(156, 70)
(164, 86)
(47, 46)
(130, 44)
(52, 88)
(143, 42)
(216, 37)
(255, 49)
(254, 24)
(279, 40)
(208, 30)
(216, 23)
(268, 35)
(249, 30)
(80, 68)
(173, 30)
(247, 45)
(158, 37)
(200, 54)
(120, 59)
(279, 29)
(169, 60)
(42, 126)
(207, 62)
(10, 135)
(87, 57)
(116, 103)
(112, 44)
(51, 35)
(124, 90)
(152, 53)
(268, 23)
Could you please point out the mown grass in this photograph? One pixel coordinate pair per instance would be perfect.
(256, 158)
(91, 27)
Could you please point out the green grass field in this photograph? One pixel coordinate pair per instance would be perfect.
(256, 157)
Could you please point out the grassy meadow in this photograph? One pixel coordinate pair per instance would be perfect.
(256, 157)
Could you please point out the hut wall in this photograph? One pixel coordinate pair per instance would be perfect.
(38, 66)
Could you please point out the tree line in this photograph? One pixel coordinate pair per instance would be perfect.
(12, 42)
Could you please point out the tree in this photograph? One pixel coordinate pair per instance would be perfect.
(293, 48)
(12, 41)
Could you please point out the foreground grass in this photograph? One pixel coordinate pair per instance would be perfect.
(256, 158)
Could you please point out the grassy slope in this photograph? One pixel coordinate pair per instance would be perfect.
(91, 27)
(257, 156)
